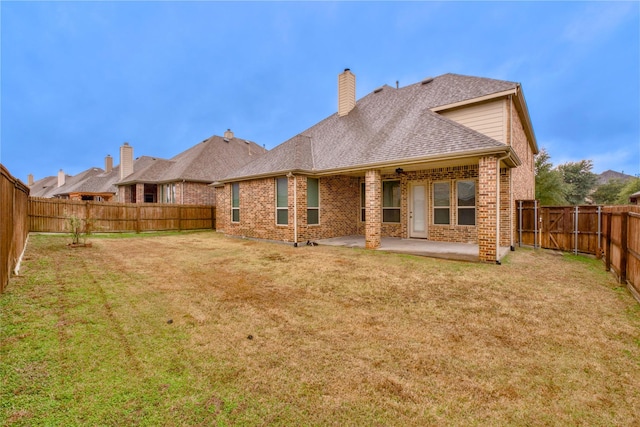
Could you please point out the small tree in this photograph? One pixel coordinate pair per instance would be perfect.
(608, 193)
(631, 186)
(550, 188)
(80, 228)
(580, 179)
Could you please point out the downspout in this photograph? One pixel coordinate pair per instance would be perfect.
(511, 246)
(295, 208)
(182, 194)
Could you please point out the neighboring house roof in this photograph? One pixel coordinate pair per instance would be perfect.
(207, 161)
(103, 182)
(42, 187)
(386, 126)
(634, 197)
(48, 187)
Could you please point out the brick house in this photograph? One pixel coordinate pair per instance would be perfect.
(443, 159)
(185, 178)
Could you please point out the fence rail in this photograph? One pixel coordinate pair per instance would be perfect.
(610, 232)
(13, 223)
(52, 215)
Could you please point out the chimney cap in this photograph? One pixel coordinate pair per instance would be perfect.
(347, 69)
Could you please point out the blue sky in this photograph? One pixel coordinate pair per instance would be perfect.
(80, 78)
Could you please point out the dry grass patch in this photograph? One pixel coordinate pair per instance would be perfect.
(269, 334)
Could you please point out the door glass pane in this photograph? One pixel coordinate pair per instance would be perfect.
(418, 208)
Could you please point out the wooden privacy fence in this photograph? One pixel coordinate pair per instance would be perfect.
(564, 228)
(13, 223)
(621, 244)
(610, 232)
(52, 215)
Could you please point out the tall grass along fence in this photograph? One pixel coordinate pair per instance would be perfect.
(52, 215)
(14, 225)
(609, 232)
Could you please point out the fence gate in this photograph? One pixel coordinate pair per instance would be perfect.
(563, 228)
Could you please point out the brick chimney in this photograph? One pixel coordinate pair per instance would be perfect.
(346, 92)
(126, 160)
(228, 134)
(61, 178)
(108, 163)
(30, 180)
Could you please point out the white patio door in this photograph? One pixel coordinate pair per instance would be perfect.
(418, 211)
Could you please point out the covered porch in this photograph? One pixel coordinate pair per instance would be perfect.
(420, 247)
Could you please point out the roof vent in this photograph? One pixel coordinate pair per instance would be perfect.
(225, 139)
(427, 80)
(247, 141)
(379, 89)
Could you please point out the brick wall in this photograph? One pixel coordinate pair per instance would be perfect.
(257, 211)
(523, 178)
(486, 214)
(340, 207)
(373, 200)
(194, 193)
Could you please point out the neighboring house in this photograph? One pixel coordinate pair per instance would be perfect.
(185, 178)
(55, 187)
(633, 199)
(418, 162)
(92, 184)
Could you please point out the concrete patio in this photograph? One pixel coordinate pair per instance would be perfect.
(421, 247)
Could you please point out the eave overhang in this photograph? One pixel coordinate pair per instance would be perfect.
(511, 160)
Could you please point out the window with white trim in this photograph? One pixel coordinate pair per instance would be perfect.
(235, 202)
(441, 203)
(282, 201)
(391, 201)
(466, 196)
(313, 201)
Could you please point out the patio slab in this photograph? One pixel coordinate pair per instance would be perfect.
(421, 247)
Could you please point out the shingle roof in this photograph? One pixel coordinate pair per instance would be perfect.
(48, 187)
(386, 125)
(207, 161)
(43, 186)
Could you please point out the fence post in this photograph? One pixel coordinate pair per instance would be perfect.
(575, 231)
(607, 257)
(535, 224)
(599, 245)
(137, 218)
(180, 217)
(213, 217)
(624, 247)
(519, 223)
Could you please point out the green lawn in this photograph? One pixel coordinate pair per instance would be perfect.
(199, 329)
